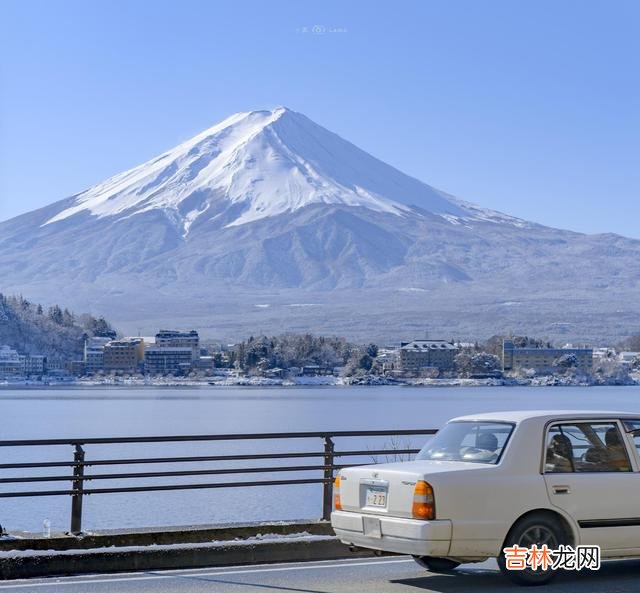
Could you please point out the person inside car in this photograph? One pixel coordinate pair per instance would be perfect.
(559, 456)
(486, 448)
(616, 452)
(487, 441)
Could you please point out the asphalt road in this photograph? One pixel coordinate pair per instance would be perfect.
(397, 574)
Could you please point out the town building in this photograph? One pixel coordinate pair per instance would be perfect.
(167, 360)
(205, 363)
(124, 355)
(77, 368)
(11, 364)
(316, 370)
(175, 339)
(544, 360)
(421, 357)
(604, 353)
(628, 358)
(388, 359)
(34, 364)
(94, 354)
(275, 373)
(57, 366)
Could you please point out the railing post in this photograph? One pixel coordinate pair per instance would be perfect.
(327, 486)
(78, 487)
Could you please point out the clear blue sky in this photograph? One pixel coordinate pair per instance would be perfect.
(528, 107)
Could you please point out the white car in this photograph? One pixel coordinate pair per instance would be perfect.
(490, 481)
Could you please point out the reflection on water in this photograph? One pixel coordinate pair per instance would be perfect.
(100, 411)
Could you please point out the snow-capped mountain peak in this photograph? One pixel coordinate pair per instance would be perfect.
(242, 227)
(255, 165)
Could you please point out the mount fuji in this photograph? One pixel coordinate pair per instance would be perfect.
(269, 222)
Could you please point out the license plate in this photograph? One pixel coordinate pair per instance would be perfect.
(376, 497)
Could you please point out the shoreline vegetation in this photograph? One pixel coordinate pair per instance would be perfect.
(52, 346)
(324, 381)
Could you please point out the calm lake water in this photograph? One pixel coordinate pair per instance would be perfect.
(72, 412)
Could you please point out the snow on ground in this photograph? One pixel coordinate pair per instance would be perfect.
(304, 305)
(253, 541)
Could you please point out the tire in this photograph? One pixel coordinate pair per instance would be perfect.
(439, 565)
(539, 528)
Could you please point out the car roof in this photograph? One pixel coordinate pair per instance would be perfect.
(548, 415)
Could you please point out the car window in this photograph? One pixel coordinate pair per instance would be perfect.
(633, 426)
(474, 442)
(585, 447)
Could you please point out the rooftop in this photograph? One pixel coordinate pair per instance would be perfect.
(509, 345)
(427, 344)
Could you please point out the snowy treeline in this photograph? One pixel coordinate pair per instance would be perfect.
(31, 328)
(484, 358)
(298, 350)
(470, 363)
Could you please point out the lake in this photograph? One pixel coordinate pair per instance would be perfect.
(72, 412)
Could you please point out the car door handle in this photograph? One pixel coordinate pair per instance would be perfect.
(561, 490)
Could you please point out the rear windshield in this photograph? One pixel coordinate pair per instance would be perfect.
(474, 442)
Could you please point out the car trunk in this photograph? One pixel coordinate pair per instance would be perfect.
(388, 489)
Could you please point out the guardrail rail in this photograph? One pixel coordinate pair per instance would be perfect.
(78, 478)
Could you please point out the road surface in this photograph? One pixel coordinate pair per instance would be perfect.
(397, 574)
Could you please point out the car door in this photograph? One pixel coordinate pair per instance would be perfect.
(591, 475)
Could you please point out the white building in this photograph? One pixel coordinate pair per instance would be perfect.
(11, 363)
(94, 354)
(176, 339)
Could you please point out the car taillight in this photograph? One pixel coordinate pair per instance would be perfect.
(423, 501)
(337, 505)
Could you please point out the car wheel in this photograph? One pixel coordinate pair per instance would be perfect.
(538, 529)
(442, 565)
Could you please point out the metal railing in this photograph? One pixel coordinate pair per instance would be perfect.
(78, 478)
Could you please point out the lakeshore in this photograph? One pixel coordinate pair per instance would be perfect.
(319, 381)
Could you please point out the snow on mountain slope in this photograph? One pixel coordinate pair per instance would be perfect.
(259, 164)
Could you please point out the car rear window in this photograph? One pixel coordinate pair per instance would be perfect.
(472, 442)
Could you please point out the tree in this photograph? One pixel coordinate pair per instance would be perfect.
(566, 361)
(67, 318)
(365, 362)
(494, 345)
(55, 314)
(470, 363)
(29, 328)
(372, 350)
(292, 350)
(610, 371)
(98, 326)
(631, 344)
